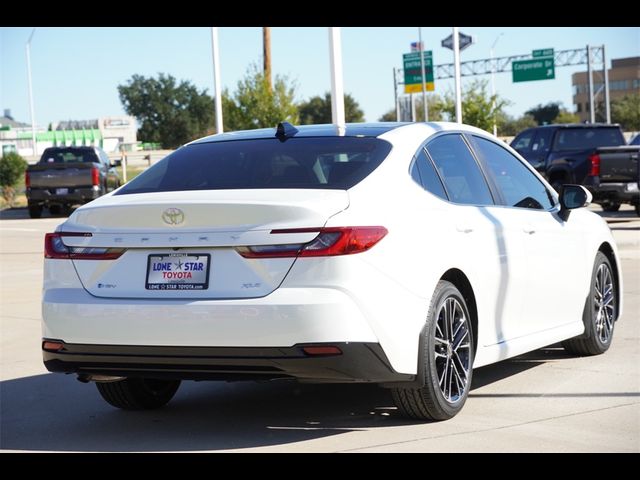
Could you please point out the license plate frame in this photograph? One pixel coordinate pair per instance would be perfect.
(179, 282)
(62, 191)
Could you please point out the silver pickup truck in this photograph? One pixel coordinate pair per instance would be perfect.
(67, 176)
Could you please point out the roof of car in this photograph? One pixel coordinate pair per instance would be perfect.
(578, 125)
(325, 130)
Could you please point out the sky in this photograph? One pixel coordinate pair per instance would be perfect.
(76, 70)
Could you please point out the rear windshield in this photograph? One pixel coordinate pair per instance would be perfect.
(308, 162)
(68, 155)
(587, 138)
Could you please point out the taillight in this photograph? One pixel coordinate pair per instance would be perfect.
(54, 247)
(27, 179)
(330, 241)
(595, 165)
(95, 177)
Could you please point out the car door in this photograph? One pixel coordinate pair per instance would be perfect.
(110, 172)
(554, 248)
(485, 245)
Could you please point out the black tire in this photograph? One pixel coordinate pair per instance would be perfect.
(138, 393)
(55, 209)
(638, 210)
(430, 401)
(598, 323)
(35, 210)
(611, 207)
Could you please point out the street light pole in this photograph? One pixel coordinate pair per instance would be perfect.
(456, 62)
(424, 86)
(337, 88)
(217, 86)
(493, 86)
(33, 118)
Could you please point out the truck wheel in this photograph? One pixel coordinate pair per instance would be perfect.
(138, 393)
(35, 210)
(55, 209)
(611, 207)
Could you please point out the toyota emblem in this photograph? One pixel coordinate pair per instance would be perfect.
(173, 216)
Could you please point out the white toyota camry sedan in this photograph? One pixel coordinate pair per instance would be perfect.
(399, 254)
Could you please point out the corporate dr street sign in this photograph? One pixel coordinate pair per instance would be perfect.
(413, 71)
(534, 69)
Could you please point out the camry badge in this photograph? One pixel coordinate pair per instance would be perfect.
(173, 216)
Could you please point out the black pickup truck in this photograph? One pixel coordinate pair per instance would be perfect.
(65, 176)
(593, 155)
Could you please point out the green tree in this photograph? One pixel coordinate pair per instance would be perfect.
(509, 126)
(12, 167)
(545, 114)
(317, 110)
(255, 105)
(170, 113)
(478, 107)
(626, 111)
(565, 116)
(389, 116)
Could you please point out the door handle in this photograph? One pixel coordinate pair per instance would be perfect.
(528, 229)
(464, 229)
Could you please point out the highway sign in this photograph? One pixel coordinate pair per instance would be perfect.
(464, 41)
(413, 71)
(535, 69)
(543, 52)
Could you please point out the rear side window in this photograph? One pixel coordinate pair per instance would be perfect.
(425, 174)
(587, 138)
(69, 155)
(305, 162)
(459, 171)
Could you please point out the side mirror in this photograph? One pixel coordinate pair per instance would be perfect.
(116, 163)
(573, 196)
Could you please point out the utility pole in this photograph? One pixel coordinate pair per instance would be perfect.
(395, 94)
(266, 54)
(592, 107)
(33, 117)
(337, 87)
(493, 85)
(605, 72)
(424, 77)
(216, 79)
(456, 62)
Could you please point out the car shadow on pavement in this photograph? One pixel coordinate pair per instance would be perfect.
(53, 412)
(22, 213)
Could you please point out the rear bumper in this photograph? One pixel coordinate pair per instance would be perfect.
(624, 192)
(286, 317)
(75, 195)
(358, 362)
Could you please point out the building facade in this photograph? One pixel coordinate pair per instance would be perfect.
(112, 134)
(624, 79)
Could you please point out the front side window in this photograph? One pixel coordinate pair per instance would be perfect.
(523, 141)
(517, 184)
(458, 169)
(305, 162)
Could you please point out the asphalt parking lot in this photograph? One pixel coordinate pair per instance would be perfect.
(544, 401)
